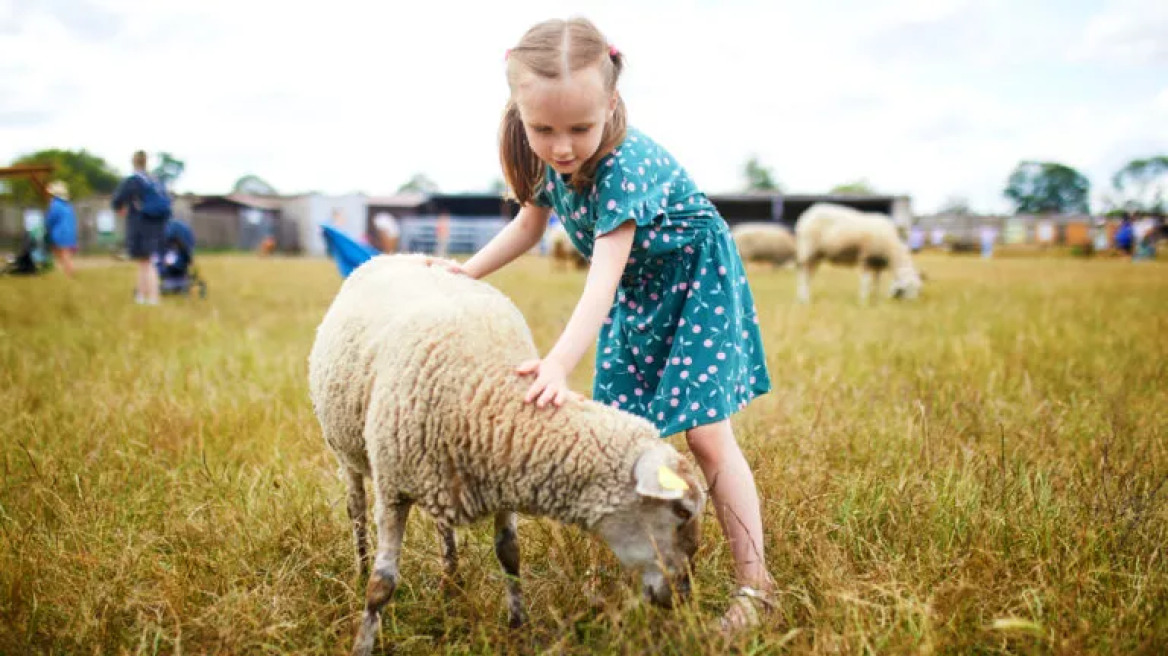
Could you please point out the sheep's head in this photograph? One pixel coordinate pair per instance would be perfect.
(658, 530)
(906, 283)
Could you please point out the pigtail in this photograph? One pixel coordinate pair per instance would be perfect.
(522, 169)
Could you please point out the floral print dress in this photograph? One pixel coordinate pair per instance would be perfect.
(681, 346)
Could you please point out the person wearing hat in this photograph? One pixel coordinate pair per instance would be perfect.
(61, 226)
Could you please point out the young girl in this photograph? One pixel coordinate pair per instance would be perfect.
(681, 345)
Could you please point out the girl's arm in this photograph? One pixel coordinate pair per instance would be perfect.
(520, 235)
(609, 256)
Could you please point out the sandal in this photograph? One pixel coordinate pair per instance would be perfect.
(743, 612)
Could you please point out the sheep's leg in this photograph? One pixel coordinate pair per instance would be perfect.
(358, 516)
(391, 528)
(803, 290)
(449, 543)
(507, 551)
(865, 284)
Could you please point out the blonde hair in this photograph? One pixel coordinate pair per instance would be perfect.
(552, 50)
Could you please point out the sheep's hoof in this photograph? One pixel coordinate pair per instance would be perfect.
(451, 588)
(517, 620)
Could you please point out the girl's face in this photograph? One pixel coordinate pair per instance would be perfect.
(564, 119)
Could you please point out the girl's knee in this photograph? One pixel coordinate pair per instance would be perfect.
(711, 442)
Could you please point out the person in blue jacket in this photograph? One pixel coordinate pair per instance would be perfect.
(61, 226)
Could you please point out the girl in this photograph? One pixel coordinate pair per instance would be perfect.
(681, 345)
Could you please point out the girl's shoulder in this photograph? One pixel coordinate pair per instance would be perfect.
(636, 159)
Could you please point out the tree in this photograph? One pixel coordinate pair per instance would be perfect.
(759, 177)
(498, 186)
(83, 172)
(857, 187)
(253, 185)
(420, 183)
(1047, 188)
(169, 169)
(1140, 185)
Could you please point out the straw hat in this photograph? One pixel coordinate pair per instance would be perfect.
(59, 189)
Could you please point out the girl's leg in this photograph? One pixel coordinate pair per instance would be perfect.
(64, 257)
(735, 499)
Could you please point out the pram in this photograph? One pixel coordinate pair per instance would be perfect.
(176, 262)
(33, 257)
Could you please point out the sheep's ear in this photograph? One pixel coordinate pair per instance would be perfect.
(656, 476)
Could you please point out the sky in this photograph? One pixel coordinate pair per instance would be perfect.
(935, 99)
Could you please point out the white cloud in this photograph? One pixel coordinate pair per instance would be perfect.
(1127, 31)
(360, 96)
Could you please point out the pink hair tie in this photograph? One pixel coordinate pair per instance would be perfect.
(506, 54)
(612, 51)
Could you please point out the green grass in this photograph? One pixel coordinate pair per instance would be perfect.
(983, 471)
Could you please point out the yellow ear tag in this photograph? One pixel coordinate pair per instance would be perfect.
(670, 480)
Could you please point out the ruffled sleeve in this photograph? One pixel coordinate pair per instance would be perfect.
(628, 189)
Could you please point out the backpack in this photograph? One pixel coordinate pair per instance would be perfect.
(155, 202)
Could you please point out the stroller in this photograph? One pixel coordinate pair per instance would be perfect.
(176, 261)
(33, 257)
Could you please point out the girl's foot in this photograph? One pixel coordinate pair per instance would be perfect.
(747, 606)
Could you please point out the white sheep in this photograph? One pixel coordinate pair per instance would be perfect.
(842, 235)
(764, 242)
(412, 377)
(562, 251)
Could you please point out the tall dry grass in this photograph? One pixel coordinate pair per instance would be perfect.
(983, 471)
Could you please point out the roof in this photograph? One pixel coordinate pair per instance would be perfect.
(244, 200)
(403, 199)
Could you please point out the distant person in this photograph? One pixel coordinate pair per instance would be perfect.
(61, 226)
(1101, 243)
(916, 238)
(989, 235)
(938, 237)
(144, 202)
(1144, 233)
(388, 232)
(1125, 236)
(442, 234)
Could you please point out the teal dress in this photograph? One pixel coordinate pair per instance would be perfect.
(681, 346)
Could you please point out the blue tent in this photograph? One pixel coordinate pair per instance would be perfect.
(345, 251)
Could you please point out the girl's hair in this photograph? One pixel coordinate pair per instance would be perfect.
(553, 50)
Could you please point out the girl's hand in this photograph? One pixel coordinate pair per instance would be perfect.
(551, 383)
(449, 265)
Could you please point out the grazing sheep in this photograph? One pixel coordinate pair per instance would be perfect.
(561, 249)
(412, 377)
(842, 235)
(764, 242)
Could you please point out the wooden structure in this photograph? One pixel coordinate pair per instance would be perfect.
(38, 174)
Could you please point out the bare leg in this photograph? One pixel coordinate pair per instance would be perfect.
(147, 283)
(803, 289)
(735, 498)
(391, 528)
(65, 257)
(507, 551)
(449, 543)
(358, 516)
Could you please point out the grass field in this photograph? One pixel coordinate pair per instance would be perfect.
(983, 471)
